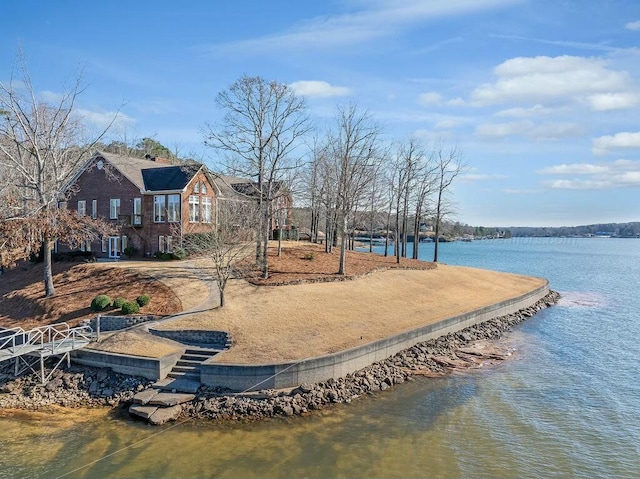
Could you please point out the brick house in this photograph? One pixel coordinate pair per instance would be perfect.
(152, 203)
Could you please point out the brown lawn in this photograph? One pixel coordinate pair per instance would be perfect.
(307, 314)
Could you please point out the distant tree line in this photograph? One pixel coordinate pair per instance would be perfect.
(623, 230)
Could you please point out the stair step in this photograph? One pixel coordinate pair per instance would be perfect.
(188, 362)
(185, 375)
(195, 357)
(185, 369)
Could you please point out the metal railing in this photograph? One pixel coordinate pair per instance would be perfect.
(52, 339)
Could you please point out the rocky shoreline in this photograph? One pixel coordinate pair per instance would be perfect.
(91, 387)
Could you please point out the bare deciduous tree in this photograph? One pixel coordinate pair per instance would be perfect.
(448, 166)
(43, 145)
(352, 147)
(261, 128)
(226, 244)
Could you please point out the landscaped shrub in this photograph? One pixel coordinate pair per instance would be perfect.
(179, 253)
(118, 302)
(130, 308)
(100, 302)
(129, 251)
(309, 256)
(143, 300)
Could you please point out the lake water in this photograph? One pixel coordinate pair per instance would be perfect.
(566, 405)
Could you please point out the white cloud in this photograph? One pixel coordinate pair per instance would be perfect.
(529, 129)
(587, 176)
(633, 25)
(557, 79)
(578, 184)
(518, 112)
(51, 97)
(456, 102)
(574, 169)
(104, 119)
(482, 177)
(447, 124)
(375, 20)
(515, 191)
(316, 88)
(429, 98)
(613, 101)
(620, 141)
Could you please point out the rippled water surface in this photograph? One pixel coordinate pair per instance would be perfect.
(566, 404)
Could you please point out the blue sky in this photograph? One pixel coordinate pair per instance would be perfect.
(542, 97)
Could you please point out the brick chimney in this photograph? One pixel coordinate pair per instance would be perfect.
(158, 159)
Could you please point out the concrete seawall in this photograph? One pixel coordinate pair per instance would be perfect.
(241, 377)
(150, 368)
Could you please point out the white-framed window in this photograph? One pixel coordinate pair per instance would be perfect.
(168, 244)
(203, 188)
(194, 208)
(159, 207)
(206, 209)
(196, 187)
(137, 211)
(104, 244)
(173, 208)
(94, 209)
(161, 243)
(82, 207)
(123, 242)
(85, 245)
(114, 208)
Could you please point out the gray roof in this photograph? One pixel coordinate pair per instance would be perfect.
(227, 185)
(169, 178)
(150, 176)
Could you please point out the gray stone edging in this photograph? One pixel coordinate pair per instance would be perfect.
(242, 377)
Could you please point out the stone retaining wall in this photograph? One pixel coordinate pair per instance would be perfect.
(217, 339)
(116, 323)
(238, 377)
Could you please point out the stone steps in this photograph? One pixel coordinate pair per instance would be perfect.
(163, 401)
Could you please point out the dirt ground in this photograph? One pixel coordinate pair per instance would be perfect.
(22, 301)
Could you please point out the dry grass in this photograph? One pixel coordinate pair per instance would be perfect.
(268, 323)
(286, 323)
(138, 343)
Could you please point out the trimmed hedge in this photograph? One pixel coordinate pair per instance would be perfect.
(101, 302)
(130, 308)
(143, 300)
(118, 302)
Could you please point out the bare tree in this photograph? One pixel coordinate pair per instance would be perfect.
(352, 147)
(43, 145)
(227, 244)
(262, 126)
(448, 166)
